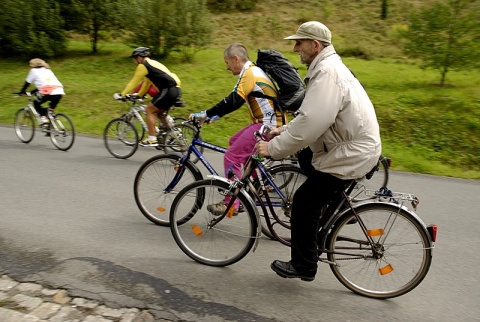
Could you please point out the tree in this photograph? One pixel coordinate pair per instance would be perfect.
(169, 25)
(445, 36)
(31, 28)
(91, 17)
(384, 13)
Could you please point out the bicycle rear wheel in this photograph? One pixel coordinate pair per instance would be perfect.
(120, 138)
(377, 181)
(151, 181)
(24, 125)
(287, 178)
(395, 264)
(62, 132)
(220, 244)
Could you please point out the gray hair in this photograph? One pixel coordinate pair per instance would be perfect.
(238, 50)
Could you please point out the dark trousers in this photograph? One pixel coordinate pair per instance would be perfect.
(318, 190)
(53, 99)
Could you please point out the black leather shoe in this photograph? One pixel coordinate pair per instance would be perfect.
(286, 270)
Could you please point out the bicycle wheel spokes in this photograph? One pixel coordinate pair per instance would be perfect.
(24, 125)
(397, 261)
(120, 138)
(151, 181)
(138, 126)
(219, 244)
(62, 132)
(287, 178)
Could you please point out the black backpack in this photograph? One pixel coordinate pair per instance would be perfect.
(289, 84)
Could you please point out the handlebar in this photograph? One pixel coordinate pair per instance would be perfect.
(23, 93)
(263, 133)
(128, 97)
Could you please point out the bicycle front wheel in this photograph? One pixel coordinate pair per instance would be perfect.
(199, 237)
(396, 262)
(62, 132)
(287, 178)
(120, 138)
(24, 125)
(158, 181)
(138, 126)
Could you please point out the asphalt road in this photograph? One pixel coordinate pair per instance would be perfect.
(69, 219)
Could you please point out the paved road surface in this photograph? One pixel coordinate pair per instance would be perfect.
(69, 219)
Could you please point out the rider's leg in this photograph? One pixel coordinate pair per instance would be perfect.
(152, 119)
(240, 148)
(37, 103)
(54, 100)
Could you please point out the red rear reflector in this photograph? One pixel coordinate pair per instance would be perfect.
(432, 231)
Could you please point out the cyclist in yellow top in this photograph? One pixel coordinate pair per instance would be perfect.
(250, 79)
(151, 72)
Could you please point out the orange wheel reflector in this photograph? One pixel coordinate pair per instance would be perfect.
(230, 212)
(386, 269)
(375, 232)
(175, 168)
(197, 230)
(160, 209)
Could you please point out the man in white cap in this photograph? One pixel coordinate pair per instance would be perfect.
(337, 122)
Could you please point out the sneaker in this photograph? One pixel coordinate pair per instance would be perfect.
(149, 142)
(217, 209)
(44, 119)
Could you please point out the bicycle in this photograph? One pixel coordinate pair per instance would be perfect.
(376, 179)
(159, 179)
(376, 248)
(123, 134)
(59, 127)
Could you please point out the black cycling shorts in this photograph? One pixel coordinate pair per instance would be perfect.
(166, 98)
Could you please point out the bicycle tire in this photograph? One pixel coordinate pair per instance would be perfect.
(287, 178)
(137, 125)
(181, 139)
(225, 243)
(397, 269)
(24, 125)
(62, 134)
(377, 181)
(153, 176)
(120, 138)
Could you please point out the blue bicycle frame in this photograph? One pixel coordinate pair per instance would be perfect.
(193, 149)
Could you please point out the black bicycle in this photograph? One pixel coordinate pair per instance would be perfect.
(376, 248)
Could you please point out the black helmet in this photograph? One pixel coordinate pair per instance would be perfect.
(141, 51)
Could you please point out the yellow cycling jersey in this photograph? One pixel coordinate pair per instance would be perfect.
(251, 79)
(151, 72)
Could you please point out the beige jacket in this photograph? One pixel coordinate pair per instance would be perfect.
(337, 120)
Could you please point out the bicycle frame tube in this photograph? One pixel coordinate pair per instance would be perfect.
(135, 112)
(193, 149)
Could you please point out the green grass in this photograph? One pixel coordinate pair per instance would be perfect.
(425, 128)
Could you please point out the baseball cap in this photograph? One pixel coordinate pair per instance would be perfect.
(312, 30)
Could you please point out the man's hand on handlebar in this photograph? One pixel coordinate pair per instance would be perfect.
(262, 148)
